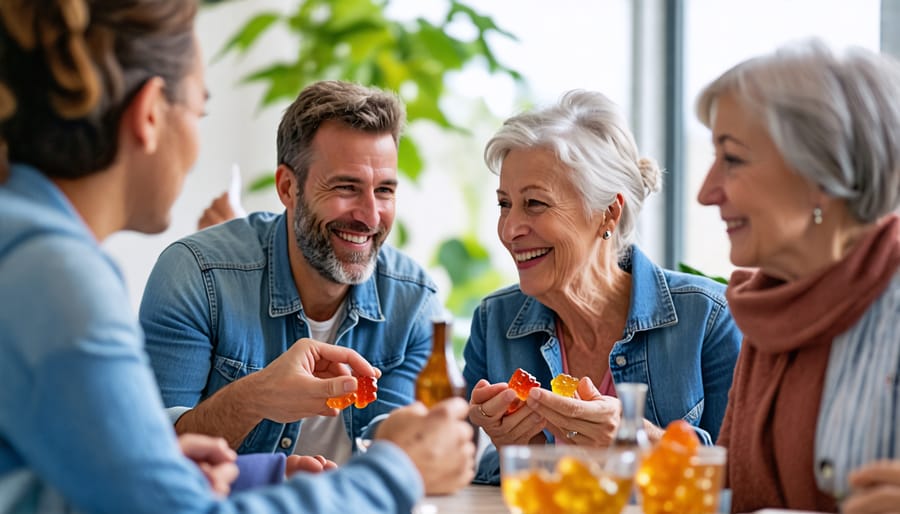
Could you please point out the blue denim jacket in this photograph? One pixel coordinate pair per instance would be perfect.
(221, 304)
(679, 339)
(82, 426)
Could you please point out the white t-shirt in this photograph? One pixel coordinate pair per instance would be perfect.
(322, 435)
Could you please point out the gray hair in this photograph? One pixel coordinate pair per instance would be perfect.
(834, 118)
(590, 137)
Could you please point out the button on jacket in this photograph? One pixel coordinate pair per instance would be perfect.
(221, 304)
(679, 339)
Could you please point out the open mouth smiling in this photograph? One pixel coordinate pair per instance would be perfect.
(530, 254)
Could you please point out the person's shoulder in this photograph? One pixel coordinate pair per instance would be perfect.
(67, 279)
(681, 283)
(511, 293)
(395, 265)
(237, 242)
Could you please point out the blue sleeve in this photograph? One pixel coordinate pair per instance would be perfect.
(719, 356)
(258, 469)
(175, 316)
(81, 410)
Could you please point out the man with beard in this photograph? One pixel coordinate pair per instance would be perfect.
(223, 307)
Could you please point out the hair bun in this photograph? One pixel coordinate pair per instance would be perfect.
(650, 174)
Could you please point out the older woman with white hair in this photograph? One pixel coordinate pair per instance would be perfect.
(807, 179)
(589, 303)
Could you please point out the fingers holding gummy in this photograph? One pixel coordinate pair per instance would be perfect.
(366, 393)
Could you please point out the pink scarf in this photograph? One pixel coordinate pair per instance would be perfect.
(770, 422)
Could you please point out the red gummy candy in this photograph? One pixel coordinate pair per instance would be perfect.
(366, 391)
(521, 382)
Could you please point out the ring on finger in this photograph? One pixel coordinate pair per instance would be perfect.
(571, 434)
(481, 411)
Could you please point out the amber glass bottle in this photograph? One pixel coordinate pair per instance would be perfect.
(440, 378)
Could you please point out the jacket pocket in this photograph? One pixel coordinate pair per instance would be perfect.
(231, 370)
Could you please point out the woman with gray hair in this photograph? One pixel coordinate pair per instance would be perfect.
(806, 179)
(589, 303)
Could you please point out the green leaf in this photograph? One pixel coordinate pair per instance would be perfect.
(249, 33)
(265, 181)
(463, 259)
(409, 161)
(400, 234)
(684, 268)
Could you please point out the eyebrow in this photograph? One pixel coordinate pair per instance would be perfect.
(526, 189)
(724, 138)
(356, 180)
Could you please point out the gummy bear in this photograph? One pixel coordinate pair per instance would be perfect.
(668, 479)
(564, 385)
(341, 402)
(366, 391)
(521, 382)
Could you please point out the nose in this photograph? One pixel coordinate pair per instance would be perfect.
(711, 192)
(512, 224)
(365, 209)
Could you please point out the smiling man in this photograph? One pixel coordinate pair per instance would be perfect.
(223, 307)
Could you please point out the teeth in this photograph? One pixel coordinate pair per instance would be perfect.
(352, 238)
(734, 223)
(525, 256)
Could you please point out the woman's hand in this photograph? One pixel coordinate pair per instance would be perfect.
(214, 458)
(876, 489)
(588, 419)
(488, 407)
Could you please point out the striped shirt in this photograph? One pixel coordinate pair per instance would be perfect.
(858, 419)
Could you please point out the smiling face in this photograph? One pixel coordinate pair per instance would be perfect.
(543, 223)
(767, 207)
(347, 207)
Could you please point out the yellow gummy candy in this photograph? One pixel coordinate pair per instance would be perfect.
(564, 385)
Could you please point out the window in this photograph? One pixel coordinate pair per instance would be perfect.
(721, 33)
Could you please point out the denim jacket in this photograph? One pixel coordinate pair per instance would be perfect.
(221, 304)
(679, 339)
(82, 426)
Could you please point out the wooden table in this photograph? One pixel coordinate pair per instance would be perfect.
(476, 499)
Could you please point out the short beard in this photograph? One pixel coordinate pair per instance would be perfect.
(315, 244)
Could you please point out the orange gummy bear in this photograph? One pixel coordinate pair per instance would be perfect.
(341, 402)
(521, 382)
(681, 432)
(564, 385)
(366, 391)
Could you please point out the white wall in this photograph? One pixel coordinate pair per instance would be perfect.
(563, 44)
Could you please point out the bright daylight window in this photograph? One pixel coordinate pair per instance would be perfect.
(719, 34)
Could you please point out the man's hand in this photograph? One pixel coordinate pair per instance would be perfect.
(297, 383)
(214, 458)
(292, 387)
(438, 441)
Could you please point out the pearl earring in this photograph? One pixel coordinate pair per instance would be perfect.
(607, 234)
(817, 216)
